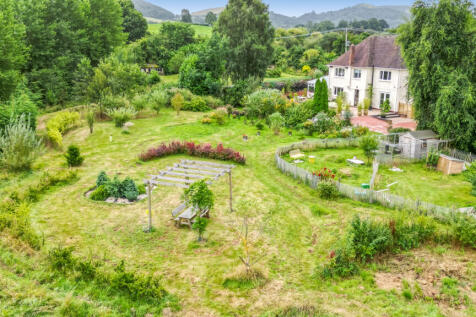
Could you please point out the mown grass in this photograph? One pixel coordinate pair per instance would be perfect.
(200, 30)
(415, 182)
(289, 240)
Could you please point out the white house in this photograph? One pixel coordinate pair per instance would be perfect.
(375, 62)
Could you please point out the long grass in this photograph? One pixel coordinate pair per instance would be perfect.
(288, 239)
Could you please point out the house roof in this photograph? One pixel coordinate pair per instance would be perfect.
(423, 134)
(374, 51)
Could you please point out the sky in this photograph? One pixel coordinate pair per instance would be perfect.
(287, 7)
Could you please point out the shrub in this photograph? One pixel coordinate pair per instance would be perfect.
(464, 230)
(327, 190)
(177, 102)
(192, 149)
(342, 263)
(90, 118)
(206, 120)
(432, 159)
(369, 238)
(219, 116)
(159, 99)
(153, 78)
(141, 188)
(213, 102)
(323, 123)
(19, 145)
(129, 189)
(114, 188)
(263, 103)
(73, 156)
(276, 122)
(20, 104)
(385, 108)
(408, 235)
(259, 125)
(369, 144)
(61, 123)
(121, 115)
(61, 259)
(139, 102)
(100, 194)
(102, 179)
(197, 104)
(298, 114)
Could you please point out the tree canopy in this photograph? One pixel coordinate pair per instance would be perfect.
(133, 22)
(248, 35)
(439, 48)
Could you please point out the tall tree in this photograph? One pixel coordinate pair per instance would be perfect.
(12, 49)
(439, 48)
(248, 35)
(186, 16)
(211, 18)
(104, 28)
(133, 21)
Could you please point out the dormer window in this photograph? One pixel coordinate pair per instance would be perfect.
(357, 73)
(340, 72)
(385, 75)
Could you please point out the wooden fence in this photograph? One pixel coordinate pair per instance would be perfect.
(355, 193)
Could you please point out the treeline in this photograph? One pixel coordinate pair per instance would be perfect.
(49, 43)
(370, 24)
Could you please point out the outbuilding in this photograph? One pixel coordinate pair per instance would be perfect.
(416, 144)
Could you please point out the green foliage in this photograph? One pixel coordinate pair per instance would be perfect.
(219, 116)
(129, 189)
(211, 18)
(121, 115)
(464, 230)
(235, 95)
(369, 238)
(13, 51)
(61, 123)
(197, 104)
(438, 49)
(20, 103)
(19, 145)
(141, 189)
(159, 99)
(263, 103)
(139, 102)
(199, 196)
(297, 114)
(321, 96)
(201, 71)
(73, 156)
(342, 263)
(114, 188)
(369, 144)
(177, 102)
(248, 35)
(432, 158)
(102, 179)
(200, 225)
(319, 211)
(327, 190)
(385, 107)
(112, 76)
(135, 25)
(276, 122)
(90, 118)
(100, 193)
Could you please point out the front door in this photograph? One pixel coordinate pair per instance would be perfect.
(356, 98)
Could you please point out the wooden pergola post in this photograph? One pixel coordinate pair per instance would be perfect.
(231, 191)
(149, 196)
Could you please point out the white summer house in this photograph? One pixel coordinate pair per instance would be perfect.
(376, 62)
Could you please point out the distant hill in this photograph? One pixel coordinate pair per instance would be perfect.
(153, 11)
(394, 15)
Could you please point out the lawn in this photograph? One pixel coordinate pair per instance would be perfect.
(290, 241)
(416, 181)
(200, 30)
(285, 77)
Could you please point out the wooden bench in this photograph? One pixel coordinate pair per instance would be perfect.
(186, 216)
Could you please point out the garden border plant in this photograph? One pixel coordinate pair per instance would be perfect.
(192, 149)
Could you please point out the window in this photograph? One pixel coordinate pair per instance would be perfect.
(357, 73)
(385, 75)
(338, 90)
(340, 72)
(384, 96)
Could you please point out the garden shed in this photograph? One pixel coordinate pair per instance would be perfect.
(416, 144)
(449, 165)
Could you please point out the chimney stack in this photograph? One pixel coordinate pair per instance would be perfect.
(351, 54)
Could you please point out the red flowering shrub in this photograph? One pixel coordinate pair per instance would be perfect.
(325, 174)
(192, 149)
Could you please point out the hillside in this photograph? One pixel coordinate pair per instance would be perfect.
(153, 11)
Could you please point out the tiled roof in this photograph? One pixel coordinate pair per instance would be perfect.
(375, 51)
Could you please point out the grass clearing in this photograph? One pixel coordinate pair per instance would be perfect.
(200, 30)
(290, 240)
(415, 182)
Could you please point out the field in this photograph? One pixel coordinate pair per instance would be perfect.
(200, 30)
(289, 240)
(415, 181)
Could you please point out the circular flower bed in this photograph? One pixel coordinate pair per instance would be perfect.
(116, 191)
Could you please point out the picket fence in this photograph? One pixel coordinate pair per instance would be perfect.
(356, 193)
